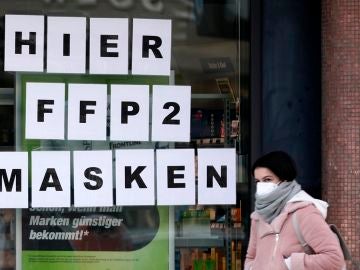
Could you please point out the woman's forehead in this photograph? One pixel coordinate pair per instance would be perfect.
(261, 172)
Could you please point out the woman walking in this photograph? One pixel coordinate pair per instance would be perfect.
(274, 244)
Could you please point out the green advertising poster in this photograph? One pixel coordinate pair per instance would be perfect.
(96, 238)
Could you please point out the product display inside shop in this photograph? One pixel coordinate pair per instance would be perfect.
(209, 238)
(7, 239)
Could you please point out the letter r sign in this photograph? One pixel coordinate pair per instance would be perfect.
(151, 47)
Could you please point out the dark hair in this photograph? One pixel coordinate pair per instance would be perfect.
(279, 162)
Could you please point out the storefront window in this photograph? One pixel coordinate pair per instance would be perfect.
(209, 57)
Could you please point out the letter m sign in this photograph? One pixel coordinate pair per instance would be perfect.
(9, 183)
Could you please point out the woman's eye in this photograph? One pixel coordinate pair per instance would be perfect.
(267, 180)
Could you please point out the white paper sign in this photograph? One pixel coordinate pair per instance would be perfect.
(93, 183)
(45, 111)
(109, 46)
(171, 113)
(66, 44)
(135, 183)
(14, 180)
(24, 43)
(217, 176)
(129, 113)
(50, 179)
(175, 169)
(151, 48)
(87, 111)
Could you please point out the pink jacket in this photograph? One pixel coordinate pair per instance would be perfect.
(271, 243)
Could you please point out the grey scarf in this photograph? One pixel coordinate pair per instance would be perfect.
(269, 206)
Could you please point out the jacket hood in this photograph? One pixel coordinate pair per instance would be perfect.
(302, 196)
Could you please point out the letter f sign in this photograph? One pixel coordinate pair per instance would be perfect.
(45, 111)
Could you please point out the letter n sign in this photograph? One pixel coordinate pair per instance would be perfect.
(217, 176)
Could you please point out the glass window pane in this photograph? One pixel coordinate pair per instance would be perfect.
(210, 52)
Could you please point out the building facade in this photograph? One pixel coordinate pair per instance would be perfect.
(304, 71)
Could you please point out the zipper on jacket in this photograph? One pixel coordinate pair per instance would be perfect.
(277, 236)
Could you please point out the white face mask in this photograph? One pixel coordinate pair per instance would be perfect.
(264, 188)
